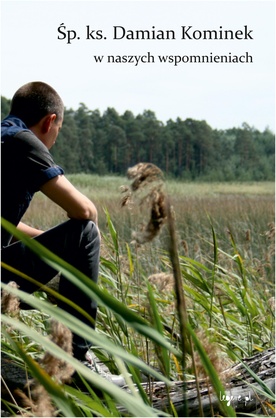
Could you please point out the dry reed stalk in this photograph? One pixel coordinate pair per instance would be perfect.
(142, 176)
(271, 236)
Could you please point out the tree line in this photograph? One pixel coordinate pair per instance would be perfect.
(109, 143)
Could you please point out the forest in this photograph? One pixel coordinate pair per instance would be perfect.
(109, 143)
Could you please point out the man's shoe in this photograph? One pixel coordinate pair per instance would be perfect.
(93, 363)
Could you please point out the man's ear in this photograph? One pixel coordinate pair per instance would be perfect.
(48, 122)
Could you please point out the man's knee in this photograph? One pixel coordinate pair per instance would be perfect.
(89, 231)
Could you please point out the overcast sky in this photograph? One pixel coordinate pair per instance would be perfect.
(223, 94)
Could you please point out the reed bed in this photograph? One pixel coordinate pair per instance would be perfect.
(187, 299)
(247, 209)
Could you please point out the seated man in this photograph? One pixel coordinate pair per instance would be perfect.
(28, 133)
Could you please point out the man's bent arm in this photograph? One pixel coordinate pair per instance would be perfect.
(63, 193)
(28, 230)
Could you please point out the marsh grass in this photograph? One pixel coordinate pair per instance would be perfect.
(247, 210)
(225, 250)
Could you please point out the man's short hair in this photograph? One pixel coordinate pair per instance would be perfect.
(35, 100)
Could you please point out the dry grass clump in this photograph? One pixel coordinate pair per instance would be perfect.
(39, 401)
(10, 303)
(214, 353)
(164, 282)
(147, 185)
(59, 369)
(142, 174)
(40, 404)
(157, 219)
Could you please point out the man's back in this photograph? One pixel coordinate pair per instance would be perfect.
(26, 165)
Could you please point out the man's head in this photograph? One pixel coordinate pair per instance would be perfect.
(40, 107)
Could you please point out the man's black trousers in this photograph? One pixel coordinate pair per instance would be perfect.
(78, 243)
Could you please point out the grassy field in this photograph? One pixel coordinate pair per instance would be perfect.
(225, 249)
(246, 210)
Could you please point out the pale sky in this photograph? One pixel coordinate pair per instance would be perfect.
(223, 94)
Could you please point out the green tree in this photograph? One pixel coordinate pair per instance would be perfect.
(85, 132)
(66, 148)
(134, 139)
(151, 129)
(5, 107)
(114, 140)
(245, 150)
(187, 149)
